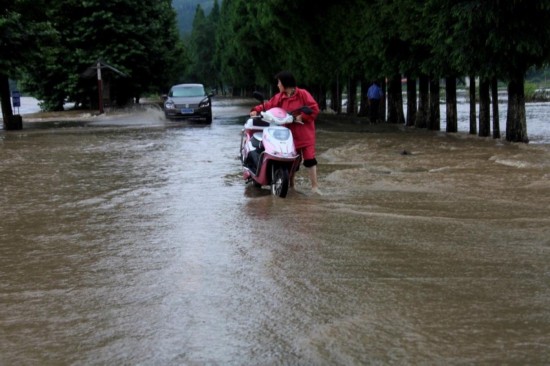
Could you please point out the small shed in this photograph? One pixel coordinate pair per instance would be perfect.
(111, 84)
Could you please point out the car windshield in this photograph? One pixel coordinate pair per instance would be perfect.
(188, 91)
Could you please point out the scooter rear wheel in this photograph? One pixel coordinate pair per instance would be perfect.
(280, 184)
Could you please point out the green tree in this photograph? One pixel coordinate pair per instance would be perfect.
(142, 42)
(201, 43)
(23, 29)
(238, 44)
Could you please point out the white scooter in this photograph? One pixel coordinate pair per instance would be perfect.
(268, 154)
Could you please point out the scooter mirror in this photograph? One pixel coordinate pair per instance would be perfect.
(306, 110)
(259, 96)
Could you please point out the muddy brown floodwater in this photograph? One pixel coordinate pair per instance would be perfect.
(133, 240)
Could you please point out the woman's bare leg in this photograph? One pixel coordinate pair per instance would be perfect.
(313, 178)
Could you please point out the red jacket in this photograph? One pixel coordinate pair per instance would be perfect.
(304, 135)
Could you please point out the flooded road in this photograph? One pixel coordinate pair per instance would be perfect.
(133, 240)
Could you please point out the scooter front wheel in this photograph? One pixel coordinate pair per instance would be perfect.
(279, 186)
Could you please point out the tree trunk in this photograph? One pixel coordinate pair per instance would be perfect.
(484, 108)
(434, 116)
(395, 100)
(411, 101)
(11, 122)
(496, 119)
(450, 100)
(421, 120)
(383, 101)
(364, 109)
(335, 98)
(516, 122)
(352, 97)
(473, 124)
(7, 111)
(322, 98)
(339, 95)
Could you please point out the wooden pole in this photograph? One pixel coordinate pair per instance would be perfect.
(99, 87)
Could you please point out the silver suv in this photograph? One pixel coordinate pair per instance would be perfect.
(188, 101)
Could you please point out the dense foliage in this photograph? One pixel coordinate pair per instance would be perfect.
(23, 28)
(142, 42)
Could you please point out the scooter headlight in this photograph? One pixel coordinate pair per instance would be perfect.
(281, 135)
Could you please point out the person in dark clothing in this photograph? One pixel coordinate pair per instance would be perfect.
(374, 95)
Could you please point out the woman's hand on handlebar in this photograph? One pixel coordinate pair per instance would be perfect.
(298, 119)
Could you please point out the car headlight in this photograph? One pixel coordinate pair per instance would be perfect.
(204, 103)
(169, 104)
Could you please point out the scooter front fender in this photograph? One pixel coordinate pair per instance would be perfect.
(264, 177)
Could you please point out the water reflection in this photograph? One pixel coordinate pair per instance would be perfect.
(135, 241)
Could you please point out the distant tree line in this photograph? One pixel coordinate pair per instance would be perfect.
(332, 48)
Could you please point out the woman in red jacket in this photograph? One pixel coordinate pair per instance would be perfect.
(290, 97)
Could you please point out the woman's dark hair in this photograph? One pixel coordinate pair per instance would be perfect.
(287, 79)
